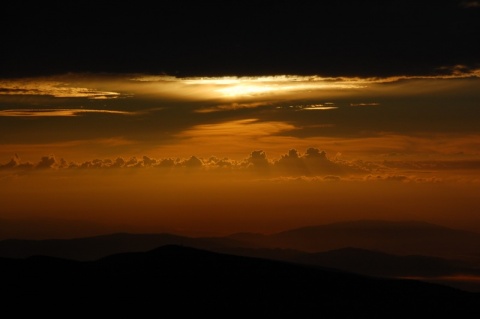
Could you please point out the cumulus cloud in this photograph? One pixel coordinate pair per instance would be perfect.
(46, 162)
(258, 159)
(193, 161)
(315, 162)
(292, 162)
(14, 162)
(147, 161)
(312, 163)
(220, 162)
(166, 162)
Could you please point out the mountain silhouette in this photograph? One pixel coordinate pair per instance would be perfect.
(91, 248)
(376, 263)
(375, 248)
(193, 281)
(403, 238)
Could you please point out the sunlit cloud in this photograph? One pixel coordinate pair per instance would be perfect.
(319, 107)
(57, 112)
(246, 128)
(249, 87)
(231, 107)
(231, 93)
(301, 111)
(250, 92)
(364, 104)
(52, 87)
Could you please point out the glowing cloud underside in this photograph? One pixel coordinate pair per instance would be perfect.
(56, 112)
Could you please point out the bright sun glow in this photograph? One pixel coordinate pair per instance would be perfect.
(254, 86)
(247, 90)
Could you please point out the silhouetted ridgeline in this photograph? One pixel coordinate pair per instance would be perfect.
(91, 248)
(404, 238)
(192, 281)
(369, 247)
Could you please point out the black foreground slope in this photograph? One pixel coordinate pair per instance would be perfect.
(193, 281)
(374, 263)
(95, 247)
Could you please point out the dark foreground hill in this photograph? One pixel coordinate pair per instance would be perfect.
(374, 263)
(176, 280)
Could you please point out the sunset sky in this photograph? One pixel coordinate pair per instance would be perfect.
(139, 123)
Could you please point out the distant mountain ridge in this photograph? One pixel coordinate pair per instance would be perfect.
(404, 238)
(376, 248)
(401, 238)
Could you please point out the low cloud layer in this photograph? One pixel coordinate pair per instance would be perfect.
(312, 163)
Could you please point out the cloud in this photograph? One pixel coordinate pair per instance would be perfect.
(244, 127)
(309, 107)
(56, 87)
(247, 87)
(332, 178)
(239, 88)
(435, 165)
(258, 159)
(46, 162)
(14, 162)
(193, 161)
(231, 107)
(221, 162)
(147, 161)
(365, 104)
(58, 112)
(312, 163)
(400, 178)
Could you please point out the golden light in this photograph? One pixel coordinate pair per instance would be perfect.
(247, 90)
(237, 87)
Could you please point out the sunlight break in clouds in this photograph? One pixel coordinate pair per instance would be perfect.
(248, 87)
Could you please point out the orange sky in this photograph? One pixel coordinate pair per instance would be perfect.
(220, 155)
